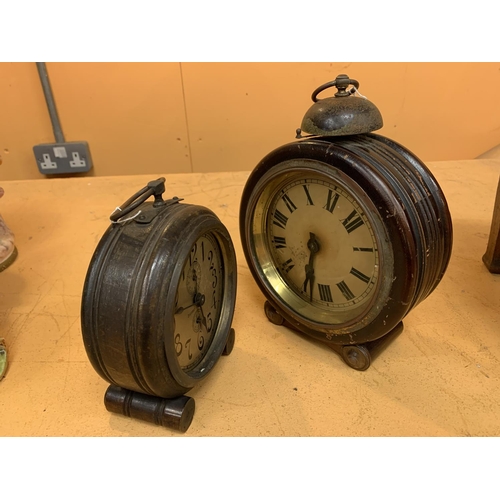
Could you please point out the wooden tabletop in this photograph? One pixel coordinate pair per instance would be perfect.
(440, 377)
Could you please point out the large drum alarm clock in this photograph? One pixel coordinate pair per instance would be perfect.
(344, 231)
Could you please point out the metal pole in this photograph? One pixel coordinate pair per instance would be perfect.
(51, 104)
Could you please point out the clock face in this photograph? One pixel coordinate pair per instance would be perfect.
(198, 301)
(316, 245)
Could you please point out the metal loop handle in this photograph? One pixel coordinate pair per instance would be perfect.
(341, 82)
(154, 188)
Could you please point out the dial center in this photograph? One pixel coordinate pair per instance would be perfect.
(331, 249)
(199, 299)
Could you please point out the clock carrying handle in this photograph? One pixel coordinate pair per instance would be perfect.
(341, 82)
(154, 188)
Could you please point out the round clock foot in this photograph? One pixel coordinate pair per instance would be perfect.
(356, 356)
(272, 315)
(229, 344)
(175, 413)
(360, 356)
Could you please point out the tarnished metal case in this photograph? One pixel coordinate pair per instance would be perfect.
(127, 314)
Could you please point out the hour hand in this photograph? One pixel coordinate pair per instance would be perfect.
(313, 247)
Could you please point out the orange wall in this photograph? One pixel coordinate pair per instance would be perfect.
(201, 117)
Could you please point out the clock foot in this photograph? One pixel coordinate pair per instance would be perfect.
(273, 315)
(356, 356)
(175, 413)
(360, 356)
(229, 344)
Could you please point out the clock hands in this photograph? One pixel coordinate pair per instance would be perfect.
(313, 246)
(200, 317)
(201, 300)
(198, 300)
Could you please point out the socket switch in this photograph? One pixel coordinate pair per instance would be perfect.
(63, 158)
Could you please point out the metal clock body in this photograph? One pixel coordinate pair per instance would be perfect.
(344, 234)
(158, 303)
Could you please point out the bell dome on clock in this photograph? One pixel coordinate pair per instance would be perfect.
(342, 114)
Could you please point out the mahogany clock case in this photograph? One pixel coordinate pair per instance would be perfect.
(408, 200)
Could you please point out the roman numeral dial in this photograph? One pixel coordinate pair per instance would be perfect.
(321, 245)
